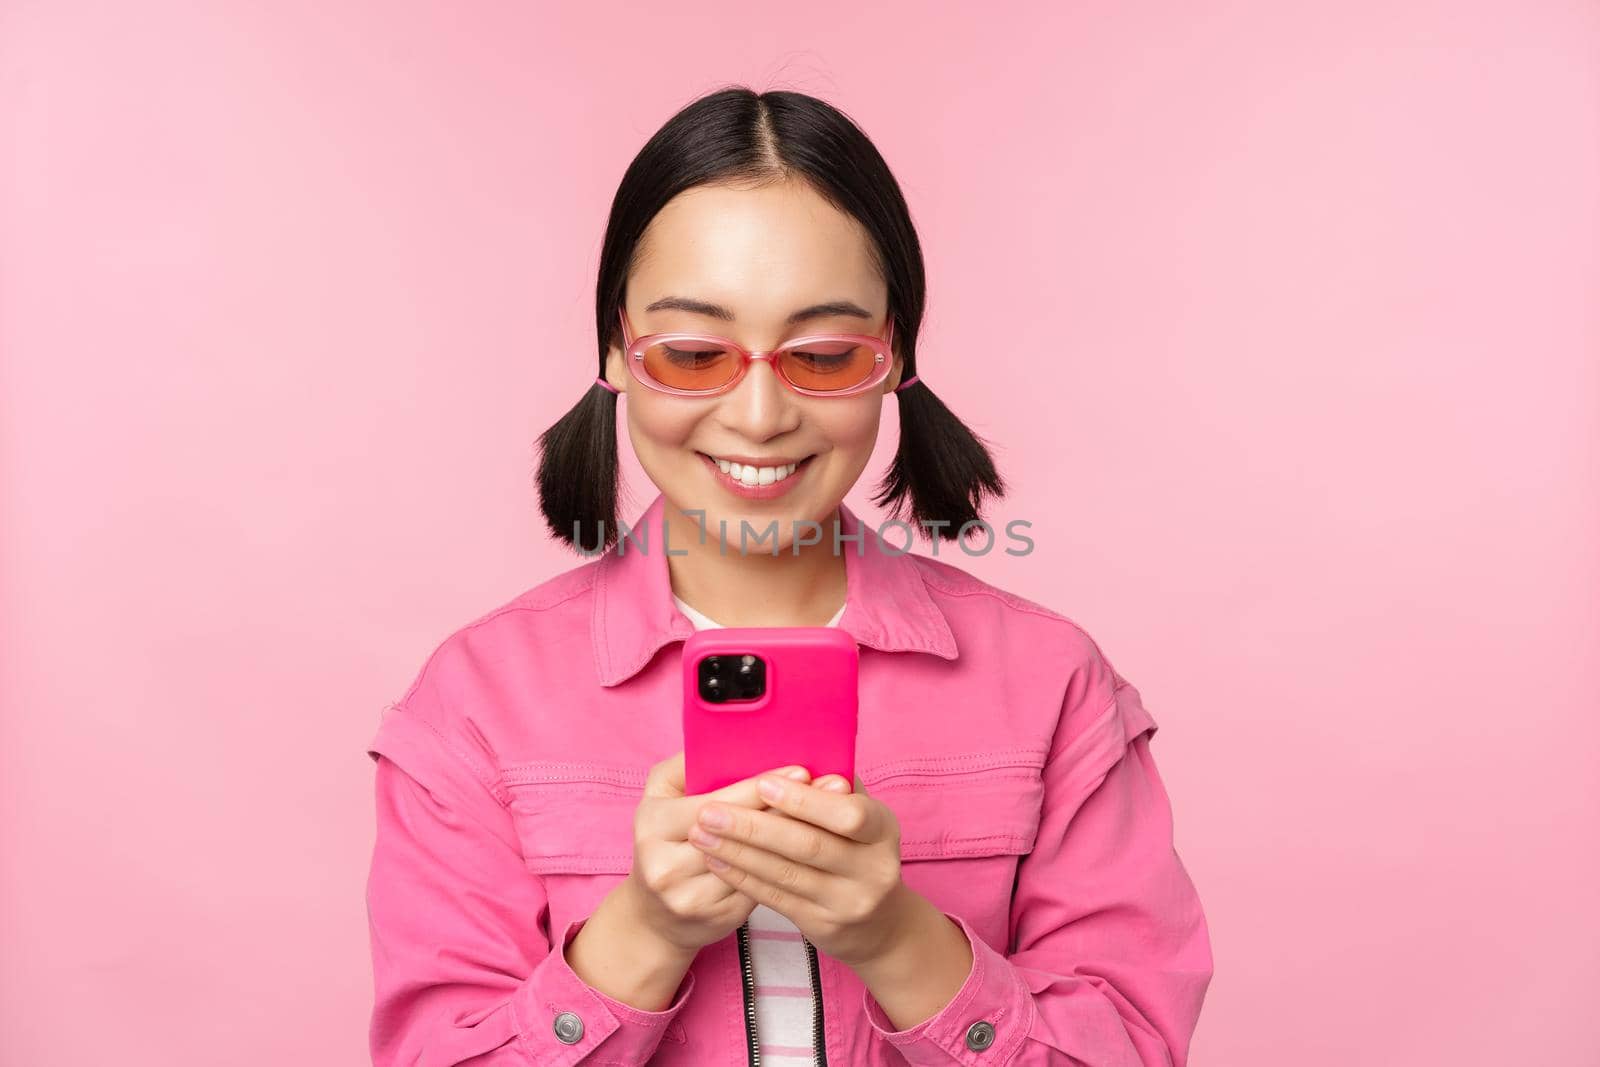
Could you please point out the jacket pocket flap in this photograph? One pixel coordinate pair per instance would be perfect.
(978, 805)
(573, 820)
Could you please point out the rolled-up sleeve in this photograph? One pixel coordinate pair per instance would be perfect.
(1111, 955)
(465, 968)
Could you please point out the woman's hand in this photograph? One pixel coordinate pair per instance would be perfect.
(668, 888)
(825, 857)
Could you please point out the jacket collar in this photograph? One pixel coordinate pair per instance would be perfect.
(887, 605)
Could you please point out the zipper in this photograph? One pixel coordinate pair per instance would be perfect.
(749, 994)
(816, 1005)
(747, 971)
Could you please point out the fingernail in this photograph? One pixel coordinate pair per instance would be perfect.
(836, 786)
(769, 789)
(797, 773)
(715, 818)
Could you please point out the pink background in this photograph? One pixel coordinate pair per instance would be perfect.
(1302, 295)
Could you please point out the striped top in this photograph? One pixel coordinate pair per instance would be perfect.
(778, 959)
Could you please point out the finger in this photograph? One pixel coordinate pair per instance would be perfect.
(742, 794)
(849, 815)
(684, 867)
(699, 891)
(833, 783)
(665, 779)
(769, 831)
(781, 884)
(714, 894)
(744, 791)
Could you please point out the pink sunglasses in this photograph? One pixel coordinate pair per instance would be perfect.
(701, 365)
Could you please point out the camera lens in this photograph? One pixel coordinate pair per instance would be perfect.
(748, 683)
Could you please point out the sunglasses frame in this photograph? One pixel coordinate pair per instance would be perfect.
(633, 355)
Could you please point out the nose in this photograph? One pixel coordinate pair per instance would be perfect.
(760, 407)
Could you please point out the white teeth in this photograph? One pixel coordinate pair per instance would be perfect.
(751, 475)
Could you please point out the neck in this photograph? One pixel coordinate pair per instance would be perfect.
(754, 587)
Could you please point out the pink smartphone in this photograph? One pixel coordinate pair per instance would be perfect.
(760, 697)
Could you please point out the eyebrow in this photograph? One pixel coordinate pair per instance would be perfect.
(716, 311)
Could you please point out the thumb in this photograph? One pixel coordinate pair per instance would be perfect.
(665, 779)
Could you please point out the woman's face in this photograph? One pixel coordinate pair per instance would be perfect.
(762, 254)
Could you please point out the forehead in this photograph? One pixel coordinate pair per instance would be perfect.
(760, 251)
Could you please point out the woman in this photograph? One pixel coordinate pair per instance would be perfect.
(998, 885)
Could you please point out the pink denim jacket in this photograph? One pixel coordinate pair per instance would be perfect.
(1015, 757)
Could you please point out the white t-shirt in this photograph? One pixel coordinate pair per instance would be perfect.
(777, 958)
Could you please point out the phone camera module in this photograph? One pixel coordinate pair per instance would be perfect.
(724, 679)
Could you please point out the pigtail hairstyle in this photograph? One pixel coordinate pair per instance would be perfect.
(578, 471)
(736, 136)
(941, 470)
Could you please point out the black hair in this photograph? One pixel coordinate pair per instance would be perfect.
(941, 470)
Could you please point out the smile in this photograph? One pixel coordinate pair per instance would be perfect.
(756, 481)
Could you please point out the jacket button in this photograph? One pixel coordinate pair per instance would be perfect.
(980, 1036)
(569, 1029)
